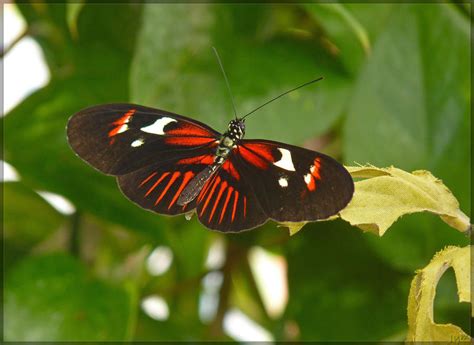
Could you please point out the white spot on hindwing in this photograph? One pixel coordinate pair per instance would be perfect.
(307, 178)
(285, 161)
(158, 126)
(283, 182)
(138, 142)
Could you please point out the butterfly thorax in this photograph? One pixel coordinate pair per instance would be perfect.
(229, 140)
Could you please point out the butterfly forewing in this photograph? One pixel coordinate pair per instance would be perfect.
(120, 138)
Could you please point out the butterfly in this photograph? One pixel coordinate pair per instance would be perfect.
(172, 165)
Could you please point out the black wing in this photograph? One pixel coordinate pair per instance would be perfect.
(120, 138)
(294, 184)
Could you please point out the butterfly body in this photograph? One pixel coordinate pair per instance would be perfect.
(171, 164)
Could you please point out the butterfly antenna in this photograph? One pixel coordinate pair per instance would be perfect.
(284, 93)
(226, 81)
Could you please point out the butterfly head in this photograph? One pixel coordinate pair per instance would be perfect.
(236, 129)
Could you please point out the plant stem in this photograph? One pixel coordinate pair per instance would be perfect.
(235, 254)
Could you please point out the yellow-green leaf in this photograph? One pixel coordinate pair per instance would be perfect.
(293, 227)
(421, 325)
(386, 194)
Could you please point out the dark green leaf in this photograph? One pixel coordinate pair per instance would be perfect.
(27, 220)
(175, 69)
(410, 110)
(351, 40)
(51, 298)
(404, 96)
(339, 290)
(35, 131)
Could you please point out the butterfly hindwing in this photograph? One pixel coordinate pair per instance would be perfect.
(292, 183)
(227, 202)
(120, 138)
(157, 187)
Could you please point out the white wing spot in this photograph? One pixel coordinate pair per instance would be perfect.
(158, 126)
(138, 142)
(312, 168)
(285, 162)
(122, 129)
(283, 182)
(307, 178)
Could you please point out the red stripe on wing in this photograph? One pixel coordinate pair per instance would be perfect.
(317, 166)
(252, 157)
(189, 130)
(188, 140)
(147, 179)
(218, 198)
(204, 189)
(157, 183)
(226, 202)
(314, 170)
(204, 159)
(264, 151)
(121, 122)
(187, 176)
(230, 168)
(217, 180)
(171, 181)
(312, 184)
(236, 197)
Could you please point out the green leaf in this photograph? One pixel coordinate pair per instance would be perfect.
(421, 321)
(404, 95)
(337, 283)
(41, 221)
(410, 109)
(52, 298)
(413, 239)
(35, 131)
(72, 12)
(390, 193)
(27, 220)
(348, 34)
(293, 227)
(47, 24)
(372, 18)
(258, 69)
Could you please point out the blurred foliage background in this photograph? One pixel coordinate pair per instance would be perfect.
(396, 92)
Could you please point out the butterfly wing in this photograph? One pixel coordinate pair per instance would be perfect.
(157, 187)
(120, 138)
(294, 184)
(154, 153)
(227, 202)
